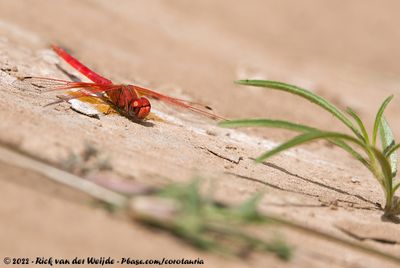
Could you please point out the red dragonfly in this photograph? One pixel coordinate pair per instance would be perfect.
(128, 100)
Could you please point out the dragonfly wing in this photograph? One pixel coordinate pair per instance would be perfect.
(91, 106)
(51, 84)
(84, 108)
(88, 104)
(86, 98)
(97, 90)
(193, 106)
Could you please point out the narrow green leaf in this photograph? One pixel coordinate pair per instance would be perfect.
(305, 94)
(307, 137)
(360, 124)
(386, 170)
(387, 142)
(291, 126)
(378, 118)
(266, 123)
(392, 149)
(351, 151)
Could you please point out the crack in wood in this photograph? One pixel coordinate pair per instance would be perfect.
(234, 161)
(362, 238)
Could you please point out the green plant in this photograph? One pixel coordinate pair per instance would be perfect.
(381, 162)
(182, 210)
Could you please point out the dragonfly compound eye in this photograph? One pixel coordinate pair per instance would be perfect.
(140, 108)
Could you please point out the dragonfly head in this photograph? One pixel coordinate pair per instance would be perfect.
(139, 108)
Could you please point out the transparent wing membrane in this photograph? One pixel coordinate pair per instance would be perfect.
(96, 94)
